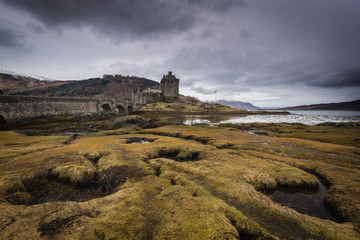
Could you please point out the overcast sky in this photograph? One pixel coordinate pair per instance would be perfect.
(267, 52)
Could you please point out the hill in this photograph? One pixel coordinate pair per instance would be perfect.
(108, 86)
(238, 104)
(186, 104)
(353, 105)
(10, 83)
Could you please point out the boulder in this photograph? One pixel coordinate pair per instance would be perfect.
(93, 116)
(130, 120)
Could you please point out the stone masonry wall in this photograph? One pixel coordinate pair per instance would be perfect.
(17, 108)
(149, 97)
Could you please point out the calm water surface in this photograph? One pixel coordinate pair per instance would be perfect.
(304, 117)
(306, 202)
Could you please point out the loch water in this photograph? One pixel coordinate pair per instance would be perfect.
(303, 117)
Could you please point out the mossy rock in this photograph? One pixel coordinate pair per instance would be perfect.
(130, 120)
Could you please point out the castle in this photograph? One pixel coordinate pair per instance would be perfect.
(168, 91)
(17, 108)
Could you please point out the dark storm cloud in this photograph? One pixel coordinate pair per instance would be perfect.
(120, 18)
(10, 38)
(254, 48)
(340, 79)
(327, 33)
(351, 77)
(280, 42)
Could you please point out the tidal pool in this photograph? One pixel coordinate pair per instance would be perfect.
(141, 141)
(310, 202)
(137, 140)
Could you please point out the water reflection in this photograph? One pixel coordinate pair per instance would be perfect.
(308, 119)
(304, 117)
(192, 119)
(141, 141)
(306, 202)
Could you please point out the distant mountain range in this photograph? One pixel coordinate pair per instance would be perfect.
(109, 86)
(353, 105)
(238, 104)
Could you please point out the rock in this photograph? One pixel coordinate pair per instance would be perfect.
(93, 116)
(127, 120)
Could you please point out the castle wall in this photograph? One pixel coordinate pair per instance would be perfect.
(149, 97)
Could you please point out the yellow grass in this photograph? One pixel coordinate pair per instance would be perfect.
(195, 183)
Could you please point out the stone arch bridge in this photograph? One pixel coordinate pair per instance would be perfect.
(14, 109)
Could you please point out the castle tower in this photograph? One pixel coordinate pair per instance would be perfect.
(169, 85)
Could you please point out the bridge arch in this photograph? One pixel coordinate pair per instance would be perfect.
(130, 109)
(106, 107)
(121, 110)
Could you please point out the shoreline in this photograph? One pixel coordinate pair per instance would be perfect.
(205, 113)
(340, 110)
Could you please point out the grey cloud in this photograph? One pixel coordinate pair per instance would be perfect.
(227, 68)
(10, 39)
(203, 90)
(234, 46)
(344, 78)
(191, 36)
(35, 27)
(188, 82)
(350, 78)
(122, 18)
(298, 43)
(217, 5)
(244, 33)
